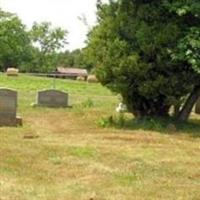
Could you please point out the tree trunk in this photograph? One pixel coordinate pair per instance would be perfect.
(176, 110)
(187, 108)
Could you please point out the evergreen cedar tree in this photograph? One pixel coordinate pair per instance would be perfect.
(149, 52)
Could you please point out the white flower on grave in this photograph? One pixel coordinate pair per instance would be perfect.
(121, 107)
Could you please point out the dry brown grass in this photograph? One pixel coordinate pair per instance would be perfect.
(73, 158)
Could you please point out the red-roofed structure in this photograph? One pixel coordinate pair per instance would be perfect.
(72, 72)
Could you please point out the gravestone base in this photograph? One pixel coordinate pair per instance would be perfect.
(49, 105)
(11, 121)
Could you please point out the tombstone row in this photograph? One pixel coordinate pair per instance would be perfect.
(8, 104)
(49, 98)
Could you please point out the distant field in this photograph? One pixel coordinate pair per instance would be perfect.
(78, 156)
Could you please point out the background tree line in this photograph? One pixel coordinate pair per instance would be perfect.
(39, 49)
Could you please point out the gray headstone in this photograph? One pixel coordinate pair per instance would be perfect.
(52, 98)
(8, 108)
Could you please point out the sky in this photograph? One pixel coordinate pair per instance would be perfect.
(62, 13)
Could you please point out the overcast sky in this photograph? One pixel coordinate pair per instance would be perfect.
(63, 13)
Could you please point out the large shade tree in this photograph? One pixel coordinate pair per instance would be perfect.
(48, 41)
(148, 51)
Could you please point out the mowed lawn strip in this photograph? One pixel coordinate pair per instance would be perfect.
(72, 157)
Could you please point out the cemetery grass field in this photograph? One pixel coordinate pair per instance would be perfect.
(82, 153)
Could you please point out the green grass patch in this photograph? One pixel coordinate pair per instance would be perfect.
(83, 152)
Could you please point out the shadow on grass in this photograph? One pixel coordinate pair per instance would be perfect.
(162, 125)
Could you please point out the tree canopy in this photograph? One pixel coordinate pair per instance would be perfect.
(14, 41)
(48, 41)
(148, 51)
(34, 50)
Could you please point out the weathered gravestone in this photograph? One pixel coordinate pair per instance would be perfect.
(8, 108)
(197, 107)
(52, 98)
